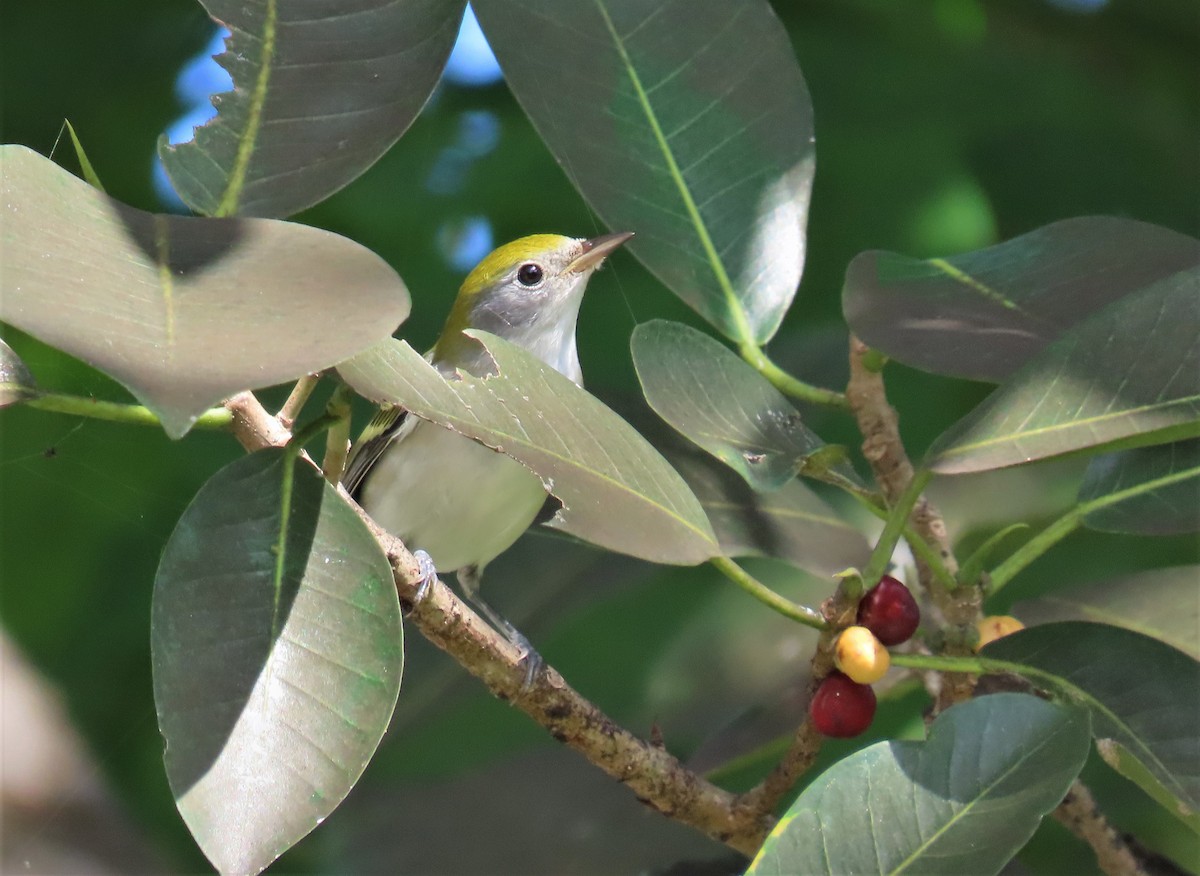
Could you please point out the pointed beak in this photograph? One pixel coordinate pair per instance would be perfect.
(596, 250)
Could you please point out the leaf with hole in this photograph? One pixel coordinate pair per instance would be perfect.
(617, 491)
(964, 801)
(1127, 375)
(1139, 691)
(277, 653)
(668, 130)
(713, 398)
(1146, 491)
(984, 314)
(320, 93)
(183, 311)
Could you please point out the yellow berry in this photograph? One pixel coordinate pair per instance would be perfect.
(996, 626)
(861, 656)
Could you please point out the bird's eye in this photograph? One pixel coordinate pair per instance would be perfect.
(529, 274)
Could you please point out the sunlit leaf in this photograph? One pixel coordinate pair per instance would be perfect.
(713, 398)
(320, 92)
(16, 383)
(671, 129)
(1128, 373)
(964, 801)
(183, 311)
(1161, 603)
(1161, 485)
(792, 523)
(277, 655)
(1139, 691)
(617, 490)
(984, 314)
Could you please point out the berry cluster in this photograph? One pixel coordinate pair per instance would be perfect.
(844, 703)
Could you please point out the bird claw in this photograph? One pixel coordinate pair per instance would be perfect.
(428, 575)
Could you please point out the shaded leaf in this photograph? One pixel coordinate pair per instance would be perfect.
(617, 490)
(792, 523)
(964, 801)
(277, 655)
(707, 393)
(320, 92)
(670, 132)
(984, 314)
(1162, 486)
(1160, 603)
(183, 311)
(1138, 691)
(1128, 373)
(16, 383)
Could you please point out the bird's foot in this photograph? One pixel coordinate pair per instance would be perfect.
(428, 575)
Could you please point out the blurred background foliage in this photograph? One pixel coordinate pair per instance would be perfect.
(942, 126)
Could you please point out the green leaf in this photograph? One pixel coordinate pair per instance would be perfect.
(713, 398)
(16, 383)
(320, 92)
(964, 801)
(984, 314)
(617, 490)
(1160, 603)
(1139, 691)
(277, 655)
(1129, 373)
(668, 129)
(85, 164)
(791, 523)
(1157, 488)
(183, 311)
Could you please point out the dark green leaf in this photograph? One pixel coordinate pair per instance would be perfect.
(1161, 485)
(320, 92)
(964, 801)
(617, 490)
(984, 314)
(707, 393)
(277, 656)
(85, 164)
(1139, 691)
(16, 383)
(791, 523)
(1160, 603)
(1128, 373)
(671, 131)
(183, 311)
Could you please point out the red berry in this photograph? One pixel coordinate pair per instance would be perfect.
(889, 611)
(842, 708)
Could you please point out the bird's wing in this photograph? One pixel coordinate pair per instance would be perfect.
(389, 424)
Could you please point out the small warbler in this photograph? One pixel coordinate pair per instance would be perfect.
(442, 493)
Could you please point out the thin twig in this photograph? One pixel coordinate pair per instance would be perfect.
(1080, 815)
(810, 617)
(884, 450)
(296, 399)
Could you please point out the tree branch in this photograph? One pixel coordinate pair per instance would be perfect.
(657, 778)
(884, 450)
(1080, 815)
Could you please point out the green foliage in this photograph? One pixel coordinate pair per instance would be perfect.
(275, 634)
(964, 801)
(277, 654)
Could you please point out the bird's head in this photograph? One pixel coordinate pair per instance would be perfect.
(527, 292)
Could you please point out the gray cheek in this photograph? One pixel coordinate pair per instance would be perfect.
(501, 314)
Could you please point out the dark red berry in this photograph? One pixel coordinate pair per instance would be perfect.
(842, 707)
(889, 611)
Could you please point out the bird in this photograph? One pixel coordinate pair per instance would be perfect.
(455, 502)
